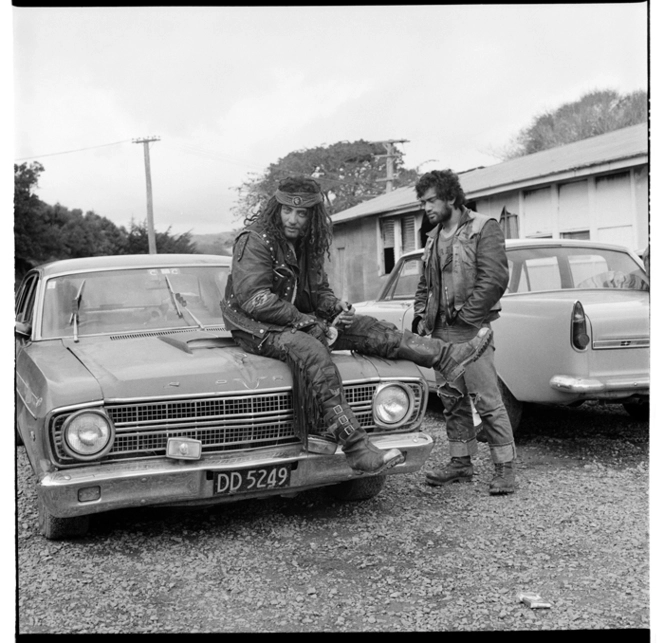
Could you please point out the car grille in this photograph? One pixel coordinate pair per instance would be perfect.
(221, 423)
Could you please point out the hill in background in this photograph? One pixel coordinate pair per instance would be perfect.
(220, 243)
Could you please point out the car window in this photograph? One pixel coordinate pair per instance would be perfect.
(586, 266)
(404, 280)
(539, 273)
(133, 300)
(25, 299)
(558, 267)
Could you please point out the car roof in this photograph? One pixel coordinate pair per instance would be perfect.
(535, 243)
(113, 262)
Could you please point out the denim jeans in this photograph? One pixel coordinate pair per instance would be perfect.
(479, 382)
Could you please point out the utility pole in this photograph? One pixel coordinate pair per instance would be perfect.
(390, 149)
(152, 244)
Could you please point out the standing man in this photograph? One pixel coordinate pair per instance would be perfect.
(465, 274)
(278, 303)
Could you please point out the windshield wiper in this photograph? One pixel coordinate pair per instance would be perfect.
(75, 308)
(180, 303)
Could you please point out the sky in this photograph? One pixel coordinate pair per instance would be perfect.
(230, 90)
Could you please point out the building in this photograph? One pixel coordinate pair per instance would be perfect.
(596, 188)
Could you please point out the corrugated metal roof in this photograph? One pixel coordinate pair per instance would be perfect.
(623, 144)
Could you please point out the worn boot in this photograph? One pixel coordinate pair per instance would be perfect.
(448, 359)
(503, 480)
(362, 456)
(459, 469)
(456, 357)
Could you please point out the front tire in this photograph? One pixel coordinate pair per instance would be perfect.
(54, 528)
(359, 489)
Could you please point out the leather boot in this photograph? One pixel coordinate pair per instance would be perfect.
(362, 456)
(503, 480)
(448, 359)
(459, 469)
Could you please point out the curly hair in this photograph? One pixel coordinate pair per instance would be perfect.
(447, 186)
(318, 236)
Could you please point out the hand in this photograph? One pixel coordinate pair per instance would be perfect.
(345, 316)
(417, 326)
(319, 331)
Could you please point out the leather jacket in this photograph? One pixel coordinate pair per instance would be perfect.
(270, 289)
(479, 271)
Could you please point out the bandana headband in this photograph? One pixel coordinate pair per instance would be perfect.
(299, 199)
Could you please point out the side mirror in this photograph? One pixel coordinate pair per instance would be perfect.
(22, 330)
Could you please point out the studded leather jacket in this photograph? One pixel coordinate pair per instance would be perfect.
(479, 269)
(271, 289)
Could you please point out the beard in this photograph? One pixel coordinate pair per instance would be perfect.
(443, 216)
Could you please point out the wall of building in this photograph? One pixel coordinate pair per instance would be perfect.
(355, 260)
(612, 207)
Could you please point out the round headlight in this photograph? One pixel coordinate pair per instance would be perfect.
(392, 405)
(87, 435)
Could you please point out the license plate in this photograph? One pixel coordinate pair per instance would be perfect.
(263, 478)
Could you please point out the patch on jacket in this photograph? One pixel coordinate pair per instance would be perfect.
(240, 245)
(257, 301)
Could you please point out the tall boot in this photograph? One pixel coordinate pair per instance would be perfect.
(362, 456)
(448, 359)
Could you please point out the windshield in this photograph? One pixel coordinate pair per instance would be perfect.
(133, 300)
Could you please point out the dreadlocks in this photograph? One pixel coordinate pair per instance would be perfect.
(318, 237)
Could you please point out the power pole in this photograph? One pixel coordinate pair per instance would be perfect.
(152, 244)
(390, 149)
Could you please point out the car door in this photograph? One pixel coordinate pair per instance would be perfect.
(24, 316)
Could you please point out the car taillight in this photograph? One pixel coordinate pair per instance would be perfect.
(580, 338)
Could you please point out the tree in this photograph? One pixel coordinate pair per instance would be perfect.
(30, 228)
(44, 232)
(596, 112)
(348, 173)
(137, 241)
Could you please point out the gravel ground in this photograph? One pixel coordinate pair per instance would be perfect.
(416, 558)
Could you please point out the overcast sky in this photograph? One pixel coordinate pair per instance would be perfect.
(229, 90)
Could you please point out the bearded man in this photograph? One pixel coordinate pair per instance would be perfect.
(465, 275)
(278, 303)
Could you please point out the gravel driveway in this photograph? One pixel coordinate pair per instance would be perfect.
(416, 558)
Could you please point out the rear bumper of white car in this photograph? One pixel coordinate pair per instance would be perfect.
(210, 480)
(615, 388)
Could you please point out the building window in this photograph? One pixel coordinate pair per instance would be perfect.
(408, 232)
(387, 239)
(577, 234)
(509, 222)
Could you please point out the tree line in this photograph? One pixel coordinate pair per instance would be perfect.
(44, 232)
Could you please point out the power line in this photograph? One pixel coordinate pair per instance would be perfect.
(82, 149)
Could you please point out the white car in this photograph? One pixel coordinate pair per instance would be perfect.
(574, 324)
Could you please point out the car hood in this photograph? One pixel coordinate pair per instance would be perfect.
(194, 363)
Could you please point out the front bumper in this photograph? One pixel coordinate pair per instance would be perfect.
(589, 388)
(185, 482)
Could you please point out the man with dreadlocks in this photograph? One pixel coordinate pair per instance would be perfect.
(278, 303)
